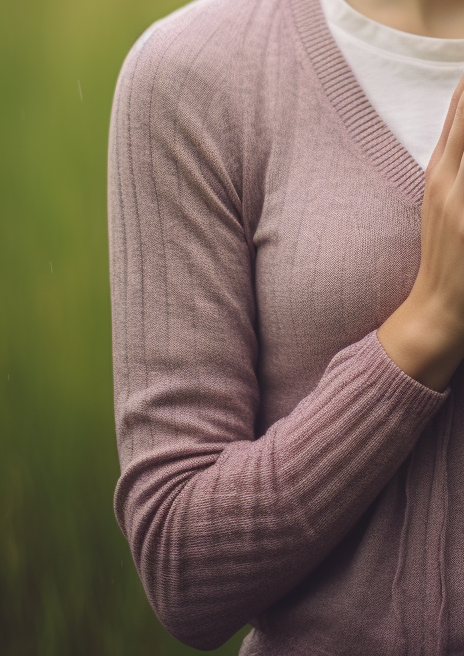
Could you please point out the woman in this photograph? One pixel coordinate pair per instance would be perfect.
(287, 288)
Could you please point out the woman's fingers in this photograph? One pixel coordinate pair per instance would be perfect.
(458, 189)
(451, 142)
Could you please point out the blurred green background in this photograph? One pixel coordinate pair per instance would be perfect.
(68, 584)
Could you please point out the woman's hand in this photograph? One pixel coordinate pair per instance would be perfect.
(439, 285)
(425, 334)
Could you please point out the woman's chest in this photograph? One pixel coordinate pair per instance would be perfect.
(338, 250)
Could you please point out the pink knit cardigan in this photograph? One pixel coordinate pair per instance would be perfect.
(277, 467)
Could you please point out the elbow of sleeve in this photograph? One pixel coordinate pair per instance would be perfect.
(192, 636)
(184, 609)
(186, 602)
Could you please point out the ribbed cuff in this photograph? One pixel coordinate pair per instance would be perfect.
(362, 375)
(426, 398)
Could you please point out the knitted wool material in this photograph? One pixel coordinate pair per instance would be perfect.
(277, 467)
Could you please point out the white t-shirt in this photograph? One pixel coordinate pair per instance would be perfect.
(409, 79)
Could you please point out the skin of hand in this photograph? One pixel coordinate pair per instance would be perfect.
(440, 278)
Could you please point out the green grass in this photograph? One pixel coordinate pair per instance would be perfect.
(68, 584)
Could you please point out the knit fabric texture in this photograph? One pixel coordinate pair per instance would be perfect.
(278, 469)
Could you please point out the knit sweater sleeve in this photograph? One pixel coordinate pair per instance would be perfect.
(222, 522)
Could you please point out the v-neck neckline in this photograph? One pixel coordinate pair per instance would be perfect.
(363, 122)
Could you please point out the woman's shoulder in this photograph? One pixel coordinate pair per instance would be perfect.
(219, 39)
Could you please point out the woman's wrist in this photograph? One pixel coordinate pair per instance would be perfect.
(424, 347)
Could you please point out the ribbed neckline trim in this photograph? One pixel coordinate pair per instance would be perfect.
(360, 117)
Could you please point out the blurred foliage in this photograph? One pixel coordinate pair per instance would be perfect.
(68, 583)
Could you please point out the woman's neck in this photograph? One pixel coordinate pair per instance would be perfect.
(442, 19)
